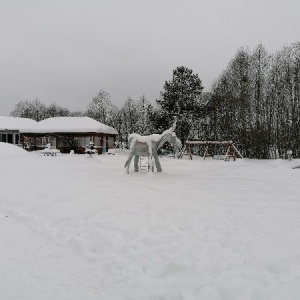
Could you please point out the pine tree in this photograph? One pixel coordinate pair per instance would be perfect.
(143, 124)
(101, 108)
(181, 98)
(129, 117)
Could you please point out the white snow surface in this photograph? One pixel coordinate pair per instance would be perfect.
(71, 124)
(13, 123)
(80, 227)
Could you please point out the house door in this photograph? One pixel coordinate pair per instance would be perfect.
(52, 141)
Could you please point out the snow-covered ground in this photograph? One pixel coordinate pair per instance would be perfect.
(75, 227)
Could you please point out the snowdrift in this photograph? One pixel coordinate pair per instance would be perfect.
(9, 151)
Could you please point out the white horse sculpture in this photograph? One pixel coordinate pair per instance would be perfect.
(148, 146)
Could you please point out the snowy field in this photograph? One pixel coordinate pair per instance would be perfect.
(75, 227)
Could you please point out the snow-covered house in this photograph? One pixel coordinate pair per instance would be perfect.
(11, 128)
(70, 133)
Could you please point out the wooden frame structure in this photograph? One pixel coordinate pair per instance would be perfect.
(232, 151)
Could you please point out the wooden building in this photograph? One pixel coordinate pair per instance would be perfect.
(70, 133)
(63, 133)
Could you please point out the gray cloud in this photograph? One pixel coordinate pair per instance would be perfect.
(65, 51)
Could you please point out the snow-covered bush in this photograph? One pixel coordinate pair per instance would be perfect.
(90, 148)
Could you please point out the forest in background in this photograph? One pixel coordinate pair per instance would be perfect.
(255, 102)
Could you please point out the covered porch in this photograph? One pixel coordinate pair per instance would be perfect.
(65, 142)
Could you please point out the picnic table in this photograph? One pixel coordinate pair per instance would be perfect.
(49, 151)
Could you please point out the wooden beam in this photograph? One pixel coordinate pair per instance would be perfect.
(209, 142)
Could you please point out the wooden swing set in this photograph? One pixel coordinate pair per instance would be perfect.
(232, 151)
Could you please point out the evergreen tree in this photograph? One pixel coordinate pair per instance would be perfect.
(129, 117)
(143, 124)
(101, 108)
(181, 98)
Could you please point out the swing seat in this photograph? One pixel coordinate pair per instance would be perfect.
(227, 158)
(220, 157)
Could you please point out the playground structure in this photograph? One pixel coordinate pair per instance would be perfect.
(147, 146)
(232, 151)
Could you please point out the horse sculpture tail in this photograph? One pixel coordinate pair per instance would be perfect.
(130, 138)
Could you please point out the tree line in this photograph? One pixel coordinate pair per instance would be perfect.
(254, 102)
(133, 116)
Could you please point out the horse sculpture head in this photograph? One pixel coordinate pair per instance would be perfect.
(175, 141)
(170, 136)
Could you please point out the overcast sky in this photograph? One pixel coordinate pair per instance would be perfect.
(65, 51)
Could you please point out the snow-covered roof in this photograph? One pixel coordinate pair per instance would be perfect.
(71, 124)
(12, 123)
(55, 125)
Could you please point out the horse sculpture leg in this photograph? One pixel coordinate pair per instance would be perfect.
(152, 164)
(157, 162)
(136, 163)
(128, 161)
(150, 160)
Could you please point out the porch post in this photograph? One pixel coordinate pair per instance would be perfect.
(104, 147)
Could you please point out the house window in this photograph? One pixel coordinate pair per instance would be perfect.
(3, 137)
(17, 138)
(110, 142)
(10, 138)
(42, 141)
